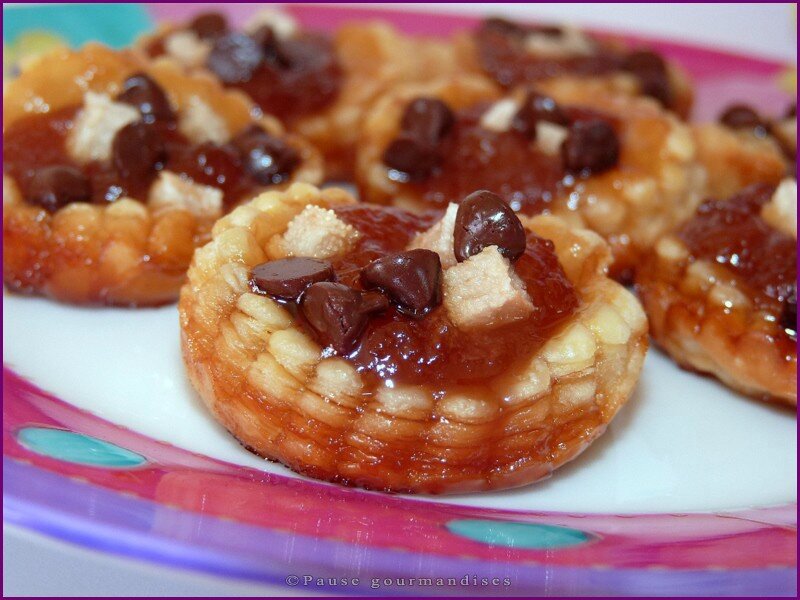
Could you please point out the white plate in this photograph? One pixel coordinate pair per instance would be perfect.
(682, 443)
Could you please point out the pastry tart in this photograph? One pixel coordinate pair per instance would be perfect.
(114, 170)
(514, 54)
(744, 148)
(318, 86)
(619, 165)
(373, 347)
(721, 292)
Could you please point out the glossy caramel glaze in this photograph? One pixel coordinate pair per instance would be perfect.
(505, 162)
(307, 85)
(501, 51)
(732, 233)
(431, 350)
(506, 60)
(39, 140)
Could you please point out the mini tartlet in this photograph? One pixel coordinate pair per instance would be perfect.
(516, 54)
(376, 348)
(721, 291)
(745, 148)
(115, 169)
(318, 85)
(617, 164)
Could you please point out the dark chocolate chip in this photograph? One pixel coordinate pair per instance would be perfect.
(548, 30)
(504, 27)
(210, 25)
(412, 280)
(651, 71)
(656, 86)
(138, 151)
(141, 92)
(339, 314)
(591, 146)
(415, 152)
(265, 37)
(644, 60)
(218, 164)
(288, 278)
(427, 119)
(791, 111)
(234, 58)
(483, 220)
(56, 186)
(301, 54)
(413, 158)
(741, 116)
(373, 302)
(537, 107)
(789, 313)
(268, 159)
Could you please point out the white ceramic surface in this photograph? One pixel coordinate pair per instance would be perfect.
(682, 443)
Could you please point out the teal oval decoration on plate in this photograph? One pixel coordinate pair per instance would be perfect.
(116, 25)
(513, 534)
(77, 448)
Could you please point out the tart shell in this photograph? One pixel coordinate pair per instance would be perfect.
(466, 57)
(374, 57)
(734, 160)
(657, 183)
(125, 253)
(275, 390)
(706, 324)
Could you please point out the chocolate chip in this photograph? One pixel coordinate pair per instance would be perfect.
(339, 314)
(548, 30)
(301, 54)
(374, 302)
(414, 159)
(141, 92)
(268, 159)
(789, 313)
(415, 152)
(427, 119)
(741, 116)
(216, 164)
(234, 58)
(791, 111)
(56, 186)
(651, 71)
(591, 146)
(209, 26)
(288, 278)
(537, 107)
(483, 220)
(643, 60)
(265, 37)
(138, 151)
(504, 27)
(412, 280)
